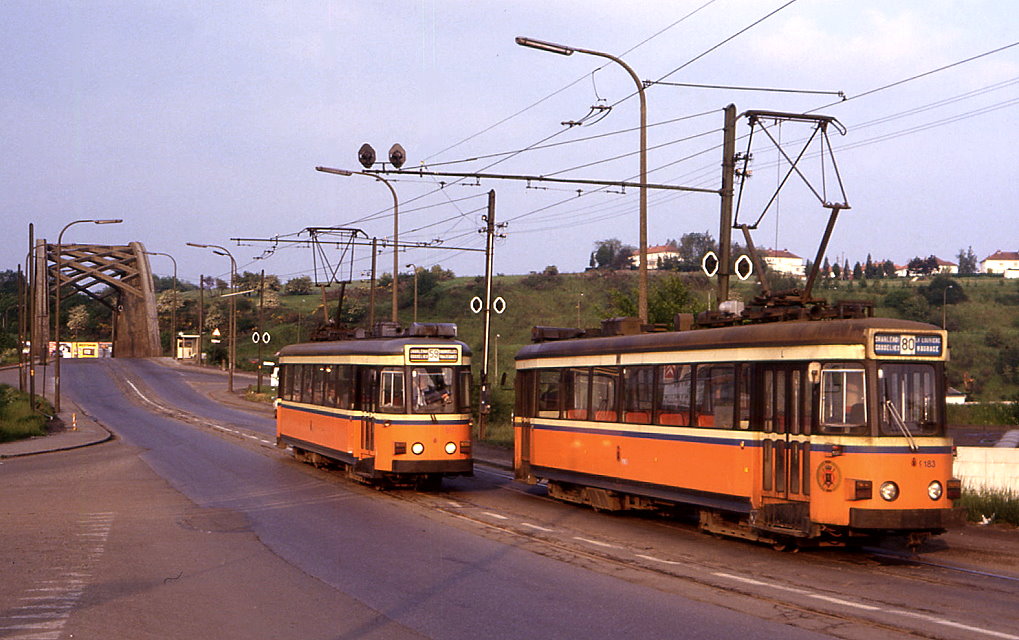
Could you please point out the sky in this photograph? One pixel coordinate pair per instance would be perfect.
(204, 121)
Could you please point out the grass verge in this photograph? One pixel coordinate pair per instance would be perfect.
(991, 505)
(17, 420)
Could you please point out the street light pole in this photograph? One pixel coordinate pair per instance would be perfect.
(944, 302)
(232, 351)
(56, 318)
(415, 267)
(173, 310)
(642, 274)
(396, 225)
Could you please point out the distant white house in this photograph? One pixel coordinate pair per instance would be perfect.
(782, 261)
(1003, 262)
(946, 267)
(655, 256)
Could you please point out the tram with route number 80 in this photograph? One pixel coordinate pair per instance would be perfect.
(780, 432)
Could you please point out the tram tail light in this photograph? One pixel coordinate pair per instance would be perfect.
(954, 489)
(859, 489)
(399, 448)
(465, 447)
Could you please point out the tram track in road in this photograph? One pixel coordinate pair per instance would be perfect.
(714, 582)
(691, 574)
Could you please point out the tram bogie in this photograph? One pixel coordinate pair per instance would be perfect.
(789, 432)
(392, 411)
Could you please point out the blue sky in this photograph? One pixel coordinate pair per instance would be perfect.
(201, 122)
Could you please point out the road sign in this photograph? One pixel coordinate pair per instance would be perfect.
(262, 337)
(476, 304)
(744, 267)
(499, 305)
(709, 264)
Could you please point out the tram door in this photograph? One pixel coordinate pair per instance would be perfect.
(367, 389)
(786, 413)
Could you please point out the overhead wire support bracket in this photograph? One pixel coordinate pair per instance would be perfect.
(500, 176)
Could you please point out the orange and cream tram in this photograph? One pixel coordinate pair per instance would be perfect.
(393, 410)
(774, 432)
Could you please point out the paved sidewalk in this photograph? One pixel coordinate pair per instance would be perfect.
(80, 430)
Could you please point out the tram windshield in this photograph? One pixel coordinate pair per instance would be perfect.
(843, 406)
(908, 402)
(432, 390)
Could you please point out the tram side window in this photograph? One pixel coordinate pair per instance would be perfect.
(843, 406)
(638, 394)
(307, 383)
(432, 390)
(464, 393)
(345, 386)
(548, 398)
(908, 397)
(524, 394)
(604, 385)
(577, 388)
(673, 394)
(716, 395)
(391, 390)
(325, 386)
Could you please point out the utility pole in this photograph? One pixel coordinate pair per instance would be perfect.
(490, 230)
(201, 315)
(32, 337)
(371, 289)
(261, 307)
(725, 227)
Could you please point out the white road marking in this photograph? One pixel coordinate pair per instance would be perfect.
(494, 515)
(536, 527)
(597, 543)
(856, 605)
(661, 560)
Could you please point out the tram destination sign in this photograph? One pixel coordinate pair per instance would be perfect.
(903, 344)
(436, 355)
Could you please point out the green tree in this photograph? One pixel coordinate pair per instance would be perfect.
(967, 261)
(666, 297)
(77, 321)
(299, 286)
(611, 254)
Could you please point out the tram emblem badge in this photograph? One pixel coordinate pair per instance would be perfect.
(828, 476)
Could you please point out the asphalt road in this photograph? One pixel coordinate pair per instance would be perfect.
(206, 529)
(398, 569)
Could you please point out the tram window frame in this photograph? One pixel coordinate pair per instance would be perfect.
(744, 396)
(308, 384)
(345, 386)
(548, 398)
(914, 374)
(708, 395)
(638, 394)
(577, 393)
(464, 390)
(683, 380)
(835, 396)
(392, 390)
(603, 405)
(525, 394)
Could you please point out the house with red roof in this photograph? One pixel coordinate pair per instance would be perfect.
(1003, 262)
(782, 261)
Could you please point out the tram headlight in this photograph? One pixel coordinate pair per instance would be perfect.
(417, 448)
(889, 491)
(450, 448)
(934, 490)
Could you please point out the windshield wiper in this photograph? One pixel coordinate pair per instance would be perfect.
(901, 424)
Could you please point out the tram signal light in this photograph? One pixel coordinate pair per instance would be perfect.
(366, 155)
(397, 156)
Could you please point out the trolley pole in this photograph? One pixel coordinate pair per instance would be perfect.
(485, 407)
(725, 226)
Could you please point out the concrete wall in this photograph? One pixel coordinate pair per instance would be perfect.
(988, 467)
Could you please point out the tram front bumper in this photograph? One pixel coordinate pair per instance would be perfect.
(906, 519)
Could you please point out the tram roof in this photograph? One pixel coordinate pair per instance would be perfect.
(776, 334)
(367, 346)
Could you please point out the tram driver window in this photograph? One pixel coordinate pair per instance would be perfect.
(548, 393)
(843, 405)
(432, 390)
